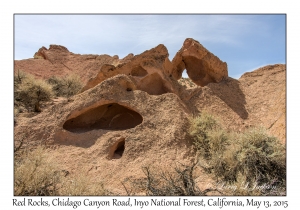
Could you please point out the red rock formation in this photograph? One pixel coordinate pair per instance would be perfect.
(150, 71)
(40, 54)
(134, 112)
(59, 61)
(202, 66)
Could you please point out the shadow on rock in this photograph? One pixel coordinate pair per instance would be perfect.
(230, 92)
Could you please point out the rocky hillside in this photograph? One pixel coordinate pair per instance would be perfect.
(58, 61)
(135, 111)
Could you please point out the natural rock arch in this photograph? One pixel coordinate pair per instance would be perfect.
(202, 66)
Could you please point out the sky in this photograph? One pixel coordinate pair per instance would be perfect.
(244, 42)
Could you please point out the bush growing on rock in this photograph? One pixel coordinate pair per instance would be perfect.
(19, 76)
(252, 156)
(36, 174)
(261, 157)
(65, 86)
(31, 91)
(208, 135)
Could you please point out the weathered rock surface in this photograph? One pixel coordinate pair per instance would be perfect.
(150, 71)
(112, 131)
(58, 61)
(202, 66)
(258, 98)
(133, 112)
(265, 94)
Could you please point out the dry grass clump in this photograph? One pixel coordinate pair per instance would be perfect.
(66, 86)
(81, 185)
(252, 159)
(36, 174)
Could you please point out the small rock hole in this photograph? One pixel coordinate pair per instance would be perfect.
(119, 150)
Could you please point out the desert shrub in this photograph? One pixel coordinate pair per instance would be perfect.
(34, 174)
(180, 182)
(19, 76)
(65, 86)
(81, 185)
(32, 91)
(208, 135)
(224, 164)
(261, 157)
(252, 156)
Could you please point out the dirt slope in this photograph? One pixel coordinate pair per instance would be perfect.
(58, 61)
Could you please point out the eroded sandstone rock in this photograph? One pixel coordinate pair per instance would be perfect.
(112, 131)
(150, 71)
(59, 61)
(134, 113)
(202, 66)
(40, 54)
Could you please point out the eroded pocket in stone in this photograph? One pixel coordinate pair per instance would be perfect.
(153, 85)
(117, 150)
(112, 116)
(138, 71)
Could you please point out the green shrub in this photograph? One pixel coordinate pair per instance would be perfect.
(207, 134)
(261, 157)
(32, 91)
(65, 86)
(252, 156)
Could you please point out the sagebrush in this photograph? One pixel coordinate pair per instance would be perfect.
(31, 92)
(66, 86)
(252, 156)
(37, 174)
